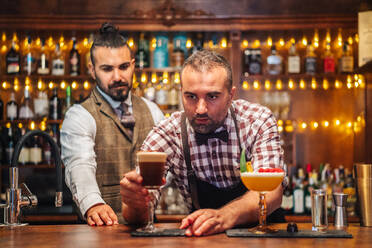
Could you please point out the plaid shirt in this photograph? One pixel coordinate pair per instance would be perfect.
(218, 163)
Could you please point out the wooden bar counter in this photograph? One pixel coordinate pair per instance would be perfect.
(119, 236)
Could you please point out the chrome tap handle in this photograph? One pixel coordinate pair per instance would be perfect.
(27, 193)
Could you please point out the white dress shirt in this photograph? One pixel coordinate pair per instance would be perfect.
(77, 141)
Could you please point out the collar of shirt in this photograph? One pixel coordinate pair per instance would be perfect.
(115, 104)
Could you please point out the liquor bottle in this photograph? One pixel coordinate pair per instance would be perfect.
(26, 109)
(328, 60)
(55, 106)
(287, 200)
(149, 92)
(161, 95)
(41, 105)
(310, 59)
(74, 59)
(13, 60)
(43, 62)
(178, 55)
(11, 108)
(35, 151)
(68, 100)
(142, 54)
(274, 62)
(309, 187)
(173, 97)
(198, 42)
(346, 64)
(246, 60)
(255, 62)
(160, 59)
(47, 150)
(24, 155)
(9, 149)
(298, 194)
(349, 189)
(29, 58)
(58, 63)
(1, 109)
(87, 54)
(294, 62)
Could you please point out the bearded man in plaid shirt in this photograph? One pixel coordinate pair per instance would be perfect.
(206, 140)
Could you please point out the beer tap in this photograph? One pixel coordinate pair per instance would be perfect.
(15, 198)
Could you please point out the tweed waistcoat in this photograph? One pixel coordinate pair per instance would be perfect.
(115, 150)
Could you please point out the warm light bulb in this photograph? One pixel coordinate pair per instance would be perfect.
(256, 85)
(267, 84)
(153, 43)
(325, 123)
(316, 38)
(63, 84)
(167, 115)
(245, 85)
(304, 41)
(314, 125)
(86, 85)
(325, 84)
(280, 129)
(32, 125)
(130, 42)
(177, 78)
(16, 84)
(245, 44)
(4, 85)
(143, 78)
(279, 84)
(51, 85)
(188, 43)
(302, 84)
(281, 42)
(20, 125)
(8, 125)
(339, 37)
(291, 84)
(328, 36)
(280, 122)
(303, 125)
(43, 126)
(338, 84)
(356, 38)
(40, 84)
(350, 40)
(256, 44)
(74, 85)
(86, 42)
(223, 42)
(337, 122)
(313, 84)
(288, 127)
(349, 124)
(269, 41)
(154, 78)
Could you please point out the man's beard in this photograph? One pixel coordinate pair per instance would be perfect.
(205, 128)
(117, 95)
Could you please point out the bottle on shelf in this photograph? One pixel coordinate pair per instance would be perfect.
(274, 62)
(47, 150)
(161, 95)
(299, 194)
(142, 54)
(26, 109)
(287, 200)
(58, 63)
(346, 63)
(1, 109)
(149, 92)
(309, 187)
(198, 43)
(24, 155)
(294, 62)
(74, 59)
(174, 96)
(13, 60)
(43, 61)
(68, 100)
(29, 58)
(12, 108)
(9, 149)
(160, 55)
(349, 188)
(178, 55)
(328, 60)
(310, 59)
(55, 106)
(41, 105)
(36, 155)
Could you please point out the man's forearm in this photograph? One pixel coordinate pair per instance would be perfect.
(245, 209)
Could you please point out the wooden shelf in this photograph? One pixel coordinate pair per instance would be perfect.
(2, 122)
(31, 166)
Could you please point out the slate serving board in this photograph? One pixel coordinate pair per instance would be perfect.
(285, 234)
(160, 233)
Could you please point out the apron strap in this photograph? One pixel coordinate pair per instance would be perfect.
(191, 177)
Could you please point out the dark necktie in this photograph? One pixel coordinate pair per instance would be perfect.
(203, 138)
(126, 118)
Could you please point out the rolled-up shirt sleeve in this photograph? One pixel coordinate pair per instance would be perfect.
(77, 142)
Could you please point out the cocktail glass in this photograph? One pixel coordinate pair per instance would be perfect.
(262, 182)
(151, 167)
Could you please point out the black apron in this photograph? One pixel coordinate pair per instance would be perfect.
(206, 195)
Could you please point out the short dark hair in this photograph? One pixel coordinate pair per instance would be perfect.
(205, 60)
(108, 36)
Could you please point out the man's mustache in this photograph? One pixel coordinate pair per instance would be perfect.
(118, 84)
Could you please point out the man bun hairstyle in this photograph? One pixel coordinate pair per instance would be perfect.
(108, 36)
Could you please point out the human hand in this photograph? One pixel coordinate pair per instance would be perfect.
(101, 214)
(207, 222)
(133, 194)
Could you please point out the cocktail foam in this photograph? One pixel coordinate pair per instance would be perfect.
(143, 156)
(262, 174)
